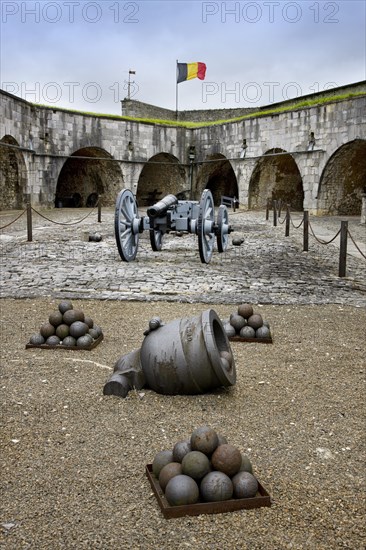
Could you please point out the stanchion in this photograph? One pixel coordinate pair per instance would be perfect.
(279, 203)
(343, 249)
(29, 219)
(274, 204)
(287, 226)
(306, 231)
(267, 210)
(99, 209)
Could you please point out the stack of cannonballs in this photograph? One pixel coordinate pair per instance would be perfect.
(204, 468)
(67, 327)
(247, 324)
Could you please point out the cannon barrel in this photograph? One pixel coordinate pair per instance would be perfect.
(161, 207)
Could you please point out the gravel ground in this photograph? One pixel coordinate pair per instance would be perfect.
(73, 460)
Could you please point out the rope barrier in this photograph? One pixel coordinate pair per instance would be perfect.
(16, 219)
(64, 223)
(321, 240)
(358, 248)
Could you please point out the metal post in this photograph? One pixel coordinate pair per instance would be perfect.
(287, 230)
(29, 219)
(343, 249)
(279, 207)
(99, 210)
(306, 231)
(267, 210)
(274, 213)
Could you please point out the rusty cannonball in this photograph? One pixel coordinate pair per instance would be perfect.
(62, 331)
(226, 458)
(182, 490)
(72, 315)
(195, 464)
(229, 329)
(37, 339)
(237, 321)
(89, 321)
(69, 342)
(53, 340)
(255, 321)
(64, 306)
(247, 332)
(84, 341)
(216, 486)
(160, 460)
(168, 472)
(204, 439)
(245, 310)
(262, 332)
(181, 448)
(78, 328)
(55, 318)
(246, 465)
(245, 485)
(47, 330)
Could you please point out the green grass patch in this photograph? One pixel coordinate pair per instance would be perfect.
(186, 124)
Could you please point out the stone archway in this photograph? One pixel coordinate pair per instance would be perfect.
(217, 175)
(13, 179)
(276, 176)
(344, 179)
(89, 172)
(161, 175)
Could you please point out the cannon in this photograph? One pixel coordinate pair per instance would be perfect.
(170, 214)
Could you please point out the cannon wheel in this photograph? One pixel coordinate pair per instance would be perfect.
(126, 225)
(156, 239)
(222, 228)
(205, 231)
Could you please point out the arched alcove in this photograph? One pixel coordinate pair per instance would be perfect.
(276, 176)
(161, 175)
(344, 179)
(89, 172)
(217, 175)
(13, 179)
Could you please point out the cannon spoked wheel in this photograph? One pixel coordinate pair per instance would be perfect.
(222, 228)
(126, 225)
(156, 239)
(205, 226)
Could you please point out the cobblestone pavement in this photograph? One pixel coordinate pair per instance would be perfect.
(267, 268)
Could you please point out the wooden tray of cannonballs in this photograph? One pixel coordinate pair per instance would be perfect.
(257, 340)
(60, 346)
(232, 505)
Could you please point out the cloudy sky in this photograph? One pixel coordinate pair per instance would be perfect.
(77, 54)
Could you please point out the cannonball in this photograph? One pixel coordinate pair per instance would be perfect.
(226, 458)
(182, 490)
(37, 340)
(225, 364)
(98, 330)
(245, 310)
(47, 330)
(65, 305)
(160, 460)
(222, 439)
(181, 448)
(255, 321)
(195, 464)
(265, 323)
(226, 355)
(62, 331)
(154, 323)
(262, 332)
(204, 439)
(93, 333)
(89, 321)
(247, 332)
(246, 465)
(237, 321)
(216, 486)
(72, 315)
(84, 341)
(69, 341)
(229, 329)
(53, 340)
(55, 318)
(245, 485)
(78, 328)
(168, 472)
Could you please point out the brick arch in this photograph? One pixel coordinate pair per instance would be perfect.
(13, 174)
(343, 179)
(88, 172)
(161, 175)
(217, 175)
(276, 176)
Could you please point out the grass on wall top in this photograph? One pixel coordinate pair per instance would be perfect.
(186, 124)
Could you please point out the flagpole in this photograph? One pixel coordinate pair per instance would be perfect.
(176, 91)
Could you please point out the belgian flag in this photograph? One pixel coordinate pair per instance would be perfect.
(187, 71)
